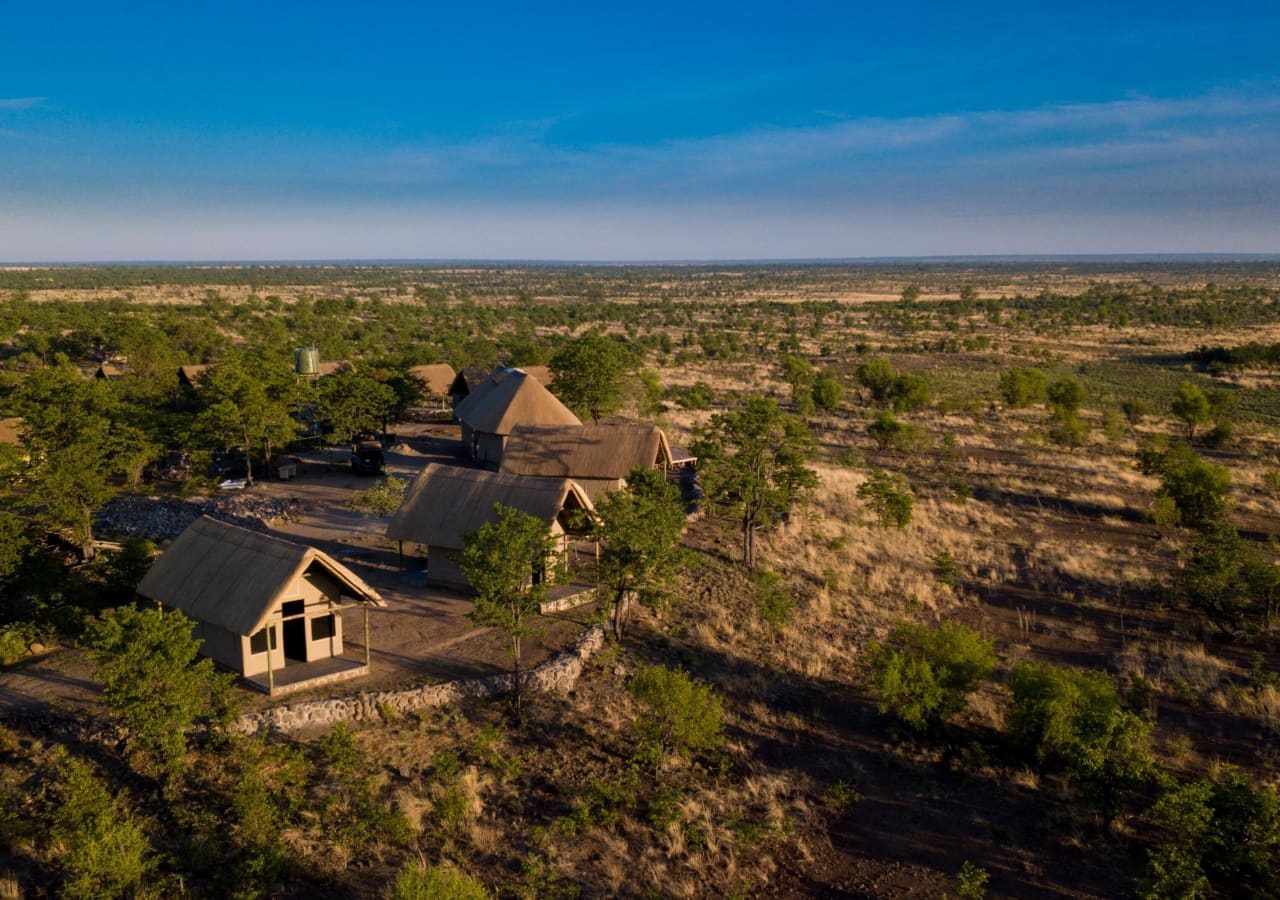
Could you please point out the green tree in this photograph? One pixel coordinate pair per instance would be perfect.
(924, 674)
(1191, 406)
(1074, 719)
(1066, 395)
(1198, 489)
(1023, 386)
(383, 499)
(890, 433)
(753, 460)
(505, 562)
(1135, 410)
(349, 404)
(678, 713)
(1226, 580)
(153, 681)
(889, 497)
(1220, 838)
(828, 392)
(640, 530)
(876, 375)
(68, 488)
(246, 407)
(909, 392)
(591, 373)
(102, 850)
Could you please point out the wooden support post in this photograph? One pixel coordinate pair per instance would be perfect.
(271, 675)
(367, 655)
(401, 555)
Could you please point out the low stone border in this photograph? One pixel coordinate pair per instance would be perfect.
(560, 673)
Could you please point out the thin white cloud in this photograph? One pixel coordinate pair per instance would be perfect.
(20, 102)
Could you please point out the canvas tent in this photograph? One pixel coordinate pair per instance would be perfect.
(597, 457)
(507, 398)
(446, 502)
(262, 605)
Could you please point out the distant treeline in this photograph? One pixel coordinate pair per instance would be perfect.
(1247, 356)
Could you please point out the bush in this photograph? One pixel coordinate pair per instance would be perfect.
(1191, 406)
(13, 644)
(1074, 719)
(828, 392)
(1023, 386)
(418, 881)
(680, 713)
(383, 499)
(893, 434)
(889, 497)
(774, 603)
(1134, 411)
(1199, 489)
(1227, 581)
(101, 849)
(1066, 395)
(1067, 429)
(1221, 838)
(909, 392)
(924, 674)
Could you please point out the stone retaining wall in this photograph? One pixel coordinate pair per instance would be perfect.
(559, 673)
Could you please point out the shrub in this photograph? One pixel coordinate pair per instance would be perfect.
(418, 881)
(1066, 395)
(101, 849)
(877, 376)
(1198, 488)
(1221, 837)
(909, 392)
(383, 498)
(680, 713)
(1067, 429)
(893, 434)
(774, 603)
(1191, 406)
(889, 497)
(1074, 719)
(971, 881)
(1226, 580)
(828, 392)
(1134, 411)
(13, 644)
(1023, 386)
(924, 674)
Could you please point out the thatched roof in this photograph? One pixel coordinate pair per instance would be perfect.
(542, 373)
(508, 398)
(467, 380)
(333, 367)
(191, 374)
(445, 502)
(109, 370)
(11, 431)
(438, 377)
(584, 451)
(234, 578)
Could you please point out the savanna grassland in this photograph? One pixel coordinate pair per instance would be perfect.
(1015, 636)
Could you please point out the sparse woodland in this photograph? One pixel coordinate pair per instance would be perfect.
(982, 598)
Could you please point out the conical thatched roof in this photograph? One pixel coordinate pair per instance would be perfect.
(234, 578)
(445, 502)
(584, 451)
(191, 374)
(510, 397)
(438, 377)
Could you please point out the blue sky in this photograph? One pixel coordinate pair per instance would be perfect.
(655, 131)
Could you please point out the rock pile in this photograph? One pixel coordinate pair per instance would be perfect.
(161, 518)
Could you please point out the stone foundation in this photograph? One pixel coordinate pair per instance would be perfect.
(558, 674)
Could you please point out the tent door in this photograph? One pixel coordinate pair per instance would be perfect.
(295, 639)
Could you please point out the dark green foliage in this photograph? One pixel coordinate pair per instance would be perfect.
(1135, 410)
(1023, 386)
(891, 433)
(500, 560)
(924, 674)
(350, 404)
(753, 460)
(1066, 394)
(679, 713)
(774, 602)
(1228, 581)
(828, 392)
(877, 376)
(100, 848)
(590, 373)
(1197, 489)
(1067, 429)
(1074, 719)
(1220, 838)
(640, 530)
(1191, 406)
(889, 497)
(153, 681)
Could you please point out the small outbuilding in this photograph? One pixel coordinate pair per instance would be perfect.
(506, 399)
(264, 607)
(437, 380)
(446, 502)
(597, 457)
(189, 376)
(466, 381)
